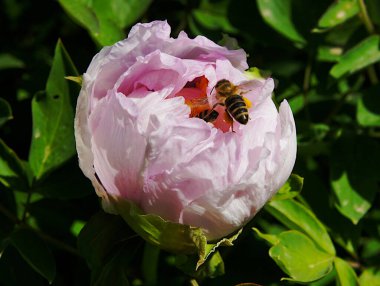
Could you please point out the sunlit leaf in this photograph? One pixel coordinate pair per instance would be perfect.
(296, 216)
(277, 14)
(338, 13)
(53, 117)
(368, 107)
(105, 20)
(300, 258)
(34, 251)
(370, 276)
(346, 275)
(360, 56)
(290, 189)
(354, 175)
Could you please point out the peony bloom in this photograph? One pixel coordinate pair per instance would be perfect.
(139, 138)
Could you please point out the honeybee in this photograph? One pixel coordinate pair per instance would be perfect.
(230, 96)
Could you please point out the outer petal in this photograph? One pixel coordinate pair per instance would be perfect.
(83, 146)
(288, 145)
(203, 49)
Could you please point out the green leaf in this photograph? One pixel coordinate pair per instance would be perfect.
(329, 53)
(5, 111)
(7, 61)
(277, 14)
(290, 189)
(214, 16)
(271, 238)
(105, 20)
(370, 276)
(300, 258)
(34, 251)
(173, 237)
(12, 171)
(338, 13)
(354, 175)
(296, 216)
(360, 56)
(213, 267)
(368, 108)
(346, 275)
(53, 116)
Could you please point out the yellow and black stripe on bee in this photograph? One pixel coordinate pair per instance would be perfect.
(237, 108)
(208, 115)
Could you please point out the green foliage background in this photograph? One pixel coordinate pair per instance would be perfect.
(324, 56)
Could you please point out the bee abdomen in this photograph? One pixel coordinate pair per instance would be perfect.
(208, 115)
(237, 108)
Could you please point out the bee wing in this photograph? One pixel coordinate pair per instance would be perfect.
(197, 105)
(197, 102)
(247, 86)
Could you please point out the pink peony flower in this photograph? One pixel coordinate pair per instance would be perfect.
(138, 139)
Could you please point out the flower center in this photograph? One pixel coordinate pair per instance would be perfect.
(195, 94)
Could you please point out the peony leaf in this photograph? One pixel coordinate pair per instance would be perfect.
(299, 257)
(214, 16)
(5, 111)
(277, 14)
(12, 172)
(212, 247)
(105, 20)
(34, 251)
(296, 216)
(360, 56)
(271, 238)
(329, 53)
(53, 117)
(173, 237)
(346, 275)
(354, 178)
(290, 189)
(370, 276)
(8, 61)
(368, 108)
(213, 267)
(338, 13)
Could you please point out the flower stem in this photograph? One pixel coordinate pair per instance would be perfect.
(367, 21)
(371, 30)
(150, 263)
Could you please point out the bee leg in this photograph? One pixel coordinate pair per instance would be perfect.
(230, 120)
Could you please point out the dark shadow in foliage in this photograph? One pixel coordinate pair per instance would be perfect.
(371, 99)
(109, 247)
(15, 271)
(359, 158)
